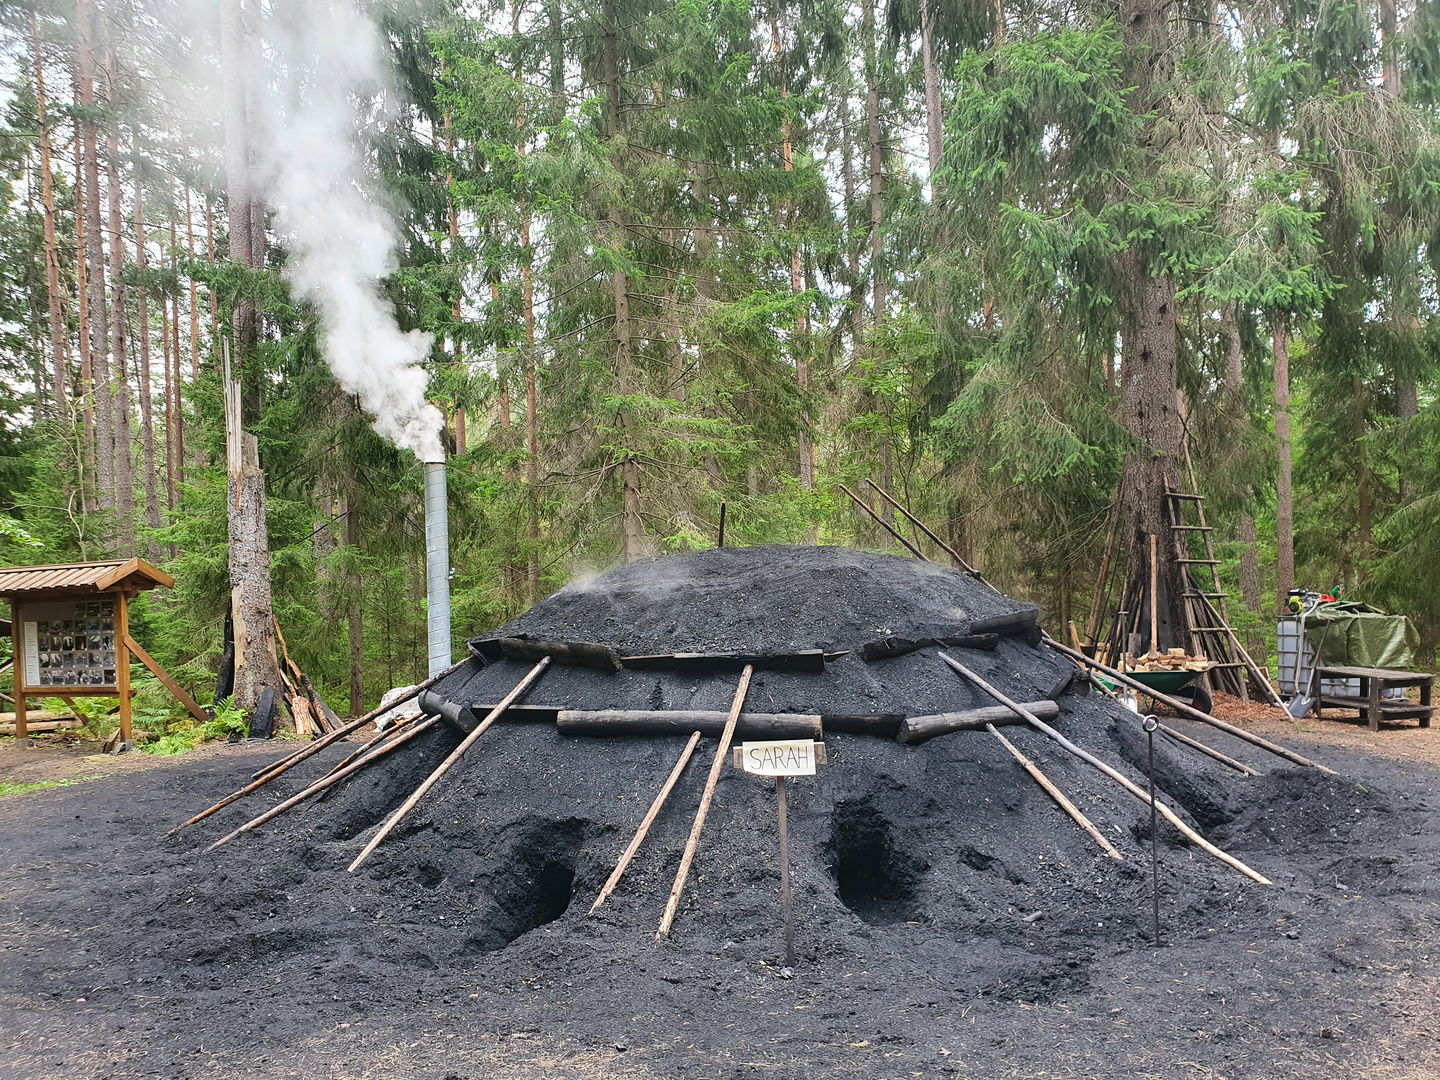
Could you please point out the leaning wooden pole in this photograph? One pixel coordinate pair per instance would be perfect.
(1120, 778)
(722, 755)
(449, 763)
(941, 544)
(649, 820)
(370, 744)
(884, 524)
(1187, 711)
(325, 782)
(1208, 751)
(297, 756)
(1056, 794)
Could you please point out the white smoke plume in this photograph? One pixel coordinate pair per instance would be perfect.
(328, 66)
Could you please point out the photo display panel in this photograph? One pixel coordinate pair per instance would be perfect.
(69, 643)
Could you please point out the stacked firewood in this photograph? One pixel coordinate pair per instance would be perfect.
(1170, 660)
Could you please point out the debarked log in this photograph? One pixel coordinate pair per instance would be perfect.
(916, 729)
(683, 722)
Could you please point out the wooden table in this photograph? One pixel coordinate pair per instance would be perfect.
(1371, 701)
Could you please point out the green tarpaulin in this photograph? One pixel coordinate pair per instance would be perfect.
(1350, 634)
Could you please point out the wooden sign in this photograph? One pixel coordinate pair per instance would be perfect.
(787, 757)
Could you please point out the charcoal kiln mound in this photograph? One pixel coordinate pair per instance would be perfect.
(949, 838)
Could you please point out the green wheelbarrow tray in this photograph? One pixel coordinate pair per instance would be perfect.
(1164, 682)
(1172, 683)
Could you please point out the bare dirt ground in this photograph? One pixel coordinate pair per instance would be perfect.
(123, 954)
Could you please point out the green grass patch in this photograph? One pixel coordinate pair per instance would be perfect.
(13, 787)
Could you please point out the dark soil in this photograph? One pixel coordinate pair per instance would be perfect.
(952, 922)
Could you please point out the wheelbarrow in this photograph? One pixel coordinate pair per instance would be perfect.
(1176, 684)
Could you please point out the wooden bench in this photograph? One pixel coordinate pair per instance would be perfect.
(1371, 702)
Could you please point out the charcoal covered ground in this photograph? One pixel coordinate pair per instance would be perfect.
(952, 922)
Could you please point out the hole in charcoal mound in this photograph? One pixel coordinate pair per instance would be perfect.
(873, 877)
(532, 886)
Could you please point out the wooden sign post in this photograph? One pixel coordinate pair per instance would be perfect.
(779, 759)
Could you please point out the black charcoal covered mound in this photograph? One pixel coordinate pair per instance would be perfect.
(768, 600)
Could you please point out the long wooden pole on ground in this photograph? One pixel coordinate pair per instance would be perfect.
(649, 819)
(325, 782)
(1120, 778)
(274, 769)
(297, 756)
(1056, 794)
(1186, 710)
(449, 763)
(722, 753)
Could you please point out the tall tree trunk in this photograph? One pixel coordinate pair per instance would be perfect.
(99, 389)
(801, 337)
(147, 390)
(85, 391)
(1148, 380)
(879, 281)
(934, 116)
(174, 424)
(1364, 479)
(256, 666)
(59, 337)
(1284, 488)
(633, 544)
(355, 619)
(194, 288)
(119, 356)
(1245, 537)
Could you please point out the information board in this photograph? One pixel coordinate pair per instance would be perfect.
(69, 643)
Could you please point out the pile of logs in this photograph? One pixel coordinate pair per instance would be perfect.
(1170, 660)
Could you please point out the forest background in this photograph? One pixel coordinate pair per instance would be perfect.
(682, 255)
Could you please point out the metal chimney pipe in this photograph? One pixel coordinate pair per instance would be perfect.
(437, 566)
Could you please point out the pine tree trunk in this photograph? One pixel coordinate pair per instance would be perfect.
(355, 618)
(147, 391)
(934, 116)
(119, 357)
(174, 430)
(1245, 537)
(194, 289)
(1364, 479)
(1284, 488)
(1148, 376)
(85, 391)
(633, 544)
(97, 316)
(256, 666)
(59, 337)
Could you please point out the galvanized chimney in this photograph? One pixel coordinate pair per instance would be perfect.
(437, 566)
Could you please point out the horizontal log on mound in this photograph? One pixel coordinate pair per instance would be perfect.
(885, 648)
(685, 721)
(574, 653)
(883, 725)
(806, 660)
(916, 729)
(1024, 623)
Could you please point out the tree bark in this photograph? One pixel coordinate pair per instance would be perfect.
(147, 390)
(59, 336)
(1284, 488)
(124, 534)
(355, 619)
(98, 387)
(633, 545)
(934, 116)
(252, 609)
(85, 391)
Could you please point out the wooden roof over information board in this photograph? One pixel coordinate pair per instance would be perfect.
(63, 578)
